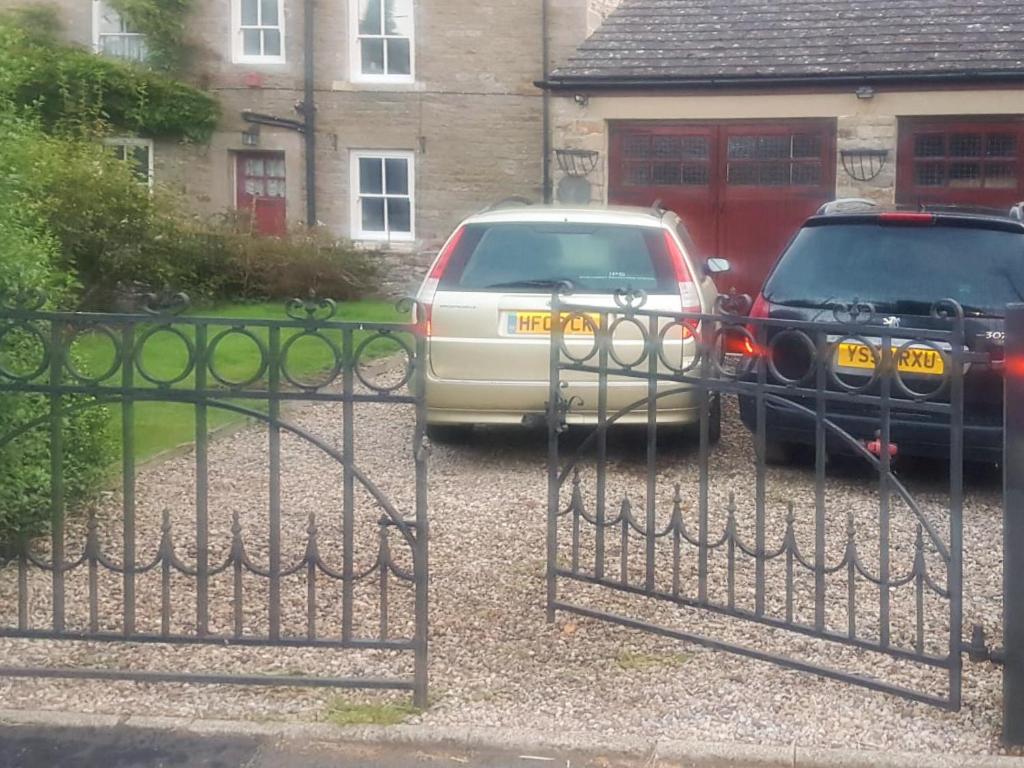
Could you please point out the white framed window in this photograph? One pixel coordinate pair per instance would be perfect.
(112, 35)
(382, 49)
(137, 154)
(383, 196)
(258, 31)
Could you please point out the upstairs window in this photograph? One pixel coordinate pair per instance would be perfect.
(137, 154)
(259, 31)
(113, 35)
(383, 50)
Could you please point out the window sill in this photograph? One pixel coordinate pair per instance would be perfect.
(375, 244)
(255, 61)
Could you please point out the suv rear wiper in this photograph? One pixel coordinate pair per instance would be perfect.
(534, 284)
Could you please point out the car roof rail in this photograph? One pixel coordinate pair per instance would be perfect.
(847, 205)
(1017, 212)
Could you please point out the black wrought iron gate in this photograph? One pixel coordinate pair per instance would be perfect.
(707, 530)
(292, 579)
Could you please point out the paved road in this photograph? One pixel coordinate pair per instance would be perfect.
(38, 747)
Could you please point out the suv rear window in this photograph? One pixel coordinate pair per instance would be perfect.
(901, 269)
(525, 256)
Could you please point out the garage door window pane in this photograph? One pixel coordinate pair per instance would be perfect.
(930, 174)
(637, 146)
(742, 147)
(806, 146)
(965, 174)
(929, 145)
(807, 174)
(742, 174)
(695, 147)
(695, 175)
(1001, 145)
(668, 148)
(666, 173)
(965, 145)
(773, 147)
(774, 174)
(1000, 175)
(638, 173)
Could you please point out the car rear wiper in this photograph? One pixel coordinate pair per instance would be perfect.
(552, 283)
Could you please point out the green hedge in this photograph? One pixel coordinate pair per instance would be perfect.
(29, 261)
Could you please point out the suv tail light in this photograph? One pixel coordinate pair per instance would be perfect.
(742, 344)
(429, 288)
(689, 297)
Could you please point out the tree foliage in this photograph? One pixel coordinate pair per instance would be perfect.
(72, 90)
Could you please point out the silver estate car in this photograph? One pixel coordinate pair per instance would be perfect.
(488, 294)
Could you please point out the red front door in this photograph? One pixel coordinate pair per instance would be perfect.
(949, 161)
(260, 190)
(743, 189)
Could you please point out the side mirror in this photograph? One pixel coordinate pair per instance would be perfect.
(717, 266)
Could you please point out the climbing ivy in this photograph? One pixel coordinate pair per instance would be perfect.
(163, 22)
(72, 90)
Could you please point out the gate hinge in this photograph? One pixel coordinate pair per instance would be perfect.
(977, 650)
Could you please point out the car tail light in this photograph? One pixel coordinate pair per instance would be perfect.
(689, 298)
(429, 288)
(906, 217)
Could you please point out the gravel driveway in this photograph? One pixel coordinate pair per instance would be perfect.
(494, 659)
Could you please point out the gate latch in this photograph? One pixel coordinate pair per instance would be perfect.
(977, 650)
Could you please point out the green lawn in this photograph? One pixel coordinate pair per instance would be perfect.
(160, 426)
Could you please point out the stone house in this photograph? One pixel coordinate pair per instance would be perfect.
(746, 116)
(425, 110)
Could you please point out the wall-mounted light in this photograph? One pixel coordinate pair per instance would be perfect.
(581, 99)
(865, 92)
(251, 136)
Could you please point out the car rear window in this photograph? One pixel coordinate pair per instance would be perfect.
(901, 269)
(524, 256)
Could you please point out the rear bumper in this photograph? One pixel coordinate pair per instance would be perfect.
(510, 402)
(912, 437)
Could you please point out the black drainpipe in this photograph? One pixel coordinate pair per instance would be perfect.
(309, 113)
(546, 121)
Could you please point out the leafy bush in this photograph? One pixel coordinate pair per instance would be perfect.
(303, 263)
(29, 259)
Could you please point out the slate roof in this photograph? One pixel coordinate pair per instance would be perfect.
(663, 41)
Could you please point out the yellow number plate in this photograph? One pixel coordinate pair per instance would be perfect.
(924, 361)
(539, 323)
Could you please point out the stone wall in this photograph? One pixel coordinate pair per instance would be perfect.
(472, 117)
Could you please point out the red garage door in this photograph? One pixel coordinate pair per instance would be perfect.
(960, 162)
(742, 189)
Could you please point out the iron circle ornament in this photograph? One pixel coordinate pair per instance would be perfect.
(809, 346)
(402, 344)
(630, 299)
(856, 312)
(115, 363)
(644, 337)
(311, 310)
(909, 347)
(832, 358)
(44, 359)
(245, 333)
(190, 359)
(688, 331)
(596, 338)
(332, 372)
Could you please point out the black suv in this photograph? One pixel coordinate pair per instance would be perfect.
(899, 264)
